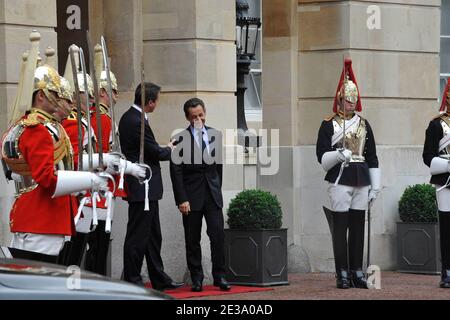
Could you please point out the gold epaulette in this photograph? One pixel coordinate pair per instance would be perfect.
(440, 115)
(32, 120)
(330, 117)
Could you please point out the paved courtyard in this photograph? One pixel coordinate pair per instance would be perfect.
(321, 286)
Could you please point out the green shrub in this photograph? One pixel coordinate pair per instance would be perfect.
(254, 209)
(418, 204)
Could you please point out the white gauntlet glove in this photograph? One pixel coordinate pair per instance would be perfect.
(439, 166)
(110, 160)
(76, 181)
(375, 182)
(332, 158)
(136, 170)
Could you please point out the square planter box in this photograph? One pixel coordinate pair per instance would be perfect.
(418, 248)
(256, 257)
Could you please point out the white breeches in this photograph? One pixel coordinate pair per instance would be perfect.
(344, 198)
(42, 243)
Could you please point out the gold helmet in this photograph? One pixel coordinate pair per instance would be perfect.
(47, 79)
(103, 82)
(90, 84)
(66, 90)
(350, 91)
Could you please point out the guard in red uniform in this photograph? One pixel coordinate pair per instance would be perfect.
(37, 149)
(99, 239)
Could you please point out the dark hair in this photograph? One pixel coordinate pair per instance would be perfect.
(151, 93)
(192, 103)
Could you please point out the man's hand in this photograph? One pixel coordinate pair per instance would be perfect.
(172, 144)
(185, 208)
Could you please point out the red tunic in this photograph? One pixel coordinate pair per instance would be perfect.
(71, 126)
(36, 211)
(106, 141)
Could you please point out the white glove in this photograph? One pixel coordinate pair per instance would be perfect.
(332, 158)
(99, 184)
(16, 177)
(75, 181)
(136, 170)
(375, 183)
(110, 160)
(344, 155)
(439, 166)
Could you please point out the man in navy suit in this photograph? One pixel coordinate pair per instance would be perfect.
(143, 236)
(196, 173)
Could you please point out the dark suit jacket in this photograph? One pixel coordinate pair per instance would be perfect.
(433, 135)
(129, 131)
(191, 177)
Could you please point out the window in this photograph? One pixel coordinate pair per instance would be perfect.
(253, 81)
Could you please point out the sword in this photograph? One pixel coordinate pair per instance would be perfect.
(344, 164)
(95, 195)
(97, 103)
(142, 136)
(115, 145)
(368, 233)
(73, 52)
(88, 118)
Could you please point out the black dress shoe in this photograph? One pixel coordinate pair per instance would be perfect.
(197, 286)
(342, 281)
(358, 280)
(222, 284)
(445, 279)
(170, 285)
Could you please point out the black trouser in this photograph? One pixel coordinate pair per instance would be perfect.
(98, 247)
(444, 234)
(348, 250)
(192, 232)
(144, 238)
(73, 250)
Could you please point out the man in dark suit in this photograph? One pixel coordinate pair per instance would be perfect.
(196, 173)
(143, 236)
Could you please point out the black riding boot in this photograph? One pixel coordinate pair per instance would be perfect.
(339, 236)
(444, 232)
(356, 247)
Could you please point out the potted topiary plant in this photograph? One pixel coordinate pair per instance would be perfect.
(418, 233)
(255, 243)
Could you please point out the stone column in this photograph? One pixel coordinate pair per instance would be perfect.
(17, 20)
(189, 50)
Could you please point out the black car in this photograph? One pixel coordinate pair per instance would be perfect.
(31, 280)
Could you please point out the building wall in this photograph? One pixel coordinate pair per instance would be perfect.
(397, 69)
(189, 49)
(17, 20)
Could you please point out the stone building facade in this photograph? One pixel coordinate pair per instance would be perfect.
(189, 49)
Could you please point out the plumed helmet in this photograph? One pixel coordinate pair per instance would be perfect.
(90, 84)
(66, 90)
(103, 81)
(47, 78)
